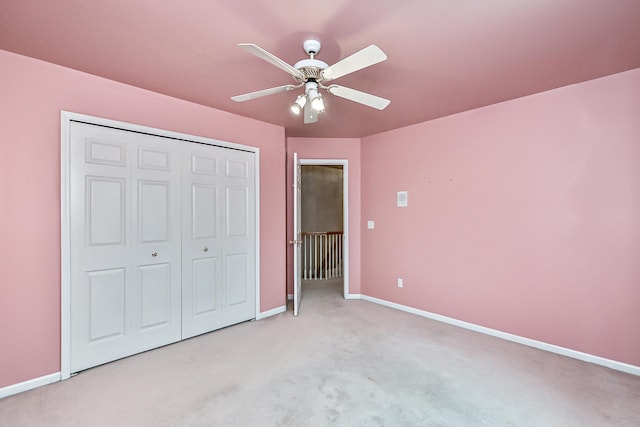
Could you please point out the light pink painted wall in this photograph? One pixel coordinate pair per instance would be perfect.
(324, 148)
(33, 93)
(523, 216)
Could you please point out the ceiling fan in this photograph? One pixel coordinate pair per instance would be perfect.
(314, 75)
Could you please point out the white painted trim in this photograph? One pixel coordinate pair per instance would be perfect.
(29, 385)
(65, 241)
(256, 165)
(345, 227)
(271, 312)
(585, 357)
(353, 296)
(66, 118)
(345, 211)
(69, 116)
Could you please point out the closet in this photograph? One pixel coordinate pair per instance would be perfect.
(162, 241)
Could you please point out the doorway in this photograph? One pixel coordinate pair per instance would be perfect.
(322, 222)
(324, 197)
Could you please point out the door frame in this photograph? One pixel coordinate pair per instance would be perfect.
(345, 211)
(297, 235)
(66, 118)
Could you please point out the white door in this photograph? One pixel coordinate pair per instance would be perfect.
(162, 240)
(201, 241)
(125, 251)
(297, 236)
(218, 239)
(238, 247)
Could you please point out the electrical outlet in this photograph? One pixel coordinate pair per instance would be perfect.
(400, 283)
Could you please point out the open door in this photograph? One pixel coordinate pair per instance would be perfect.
(297, 236)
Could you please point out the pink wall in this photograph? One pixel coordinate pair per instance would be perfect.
(523, 216)
(33, 93)
(338, 148)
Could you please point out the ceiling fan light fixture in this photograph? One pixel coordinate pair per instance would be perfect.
(311, 88)
(317, 103)
(299, 103)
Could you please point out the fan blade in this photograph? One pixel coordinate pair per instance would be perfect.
(261, 53)
(357, 96)
(261, 93)
(364, 58)
(310, 115)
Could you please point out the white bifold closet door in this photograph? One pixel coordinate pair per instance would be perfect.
(162, 241)
(218, 239)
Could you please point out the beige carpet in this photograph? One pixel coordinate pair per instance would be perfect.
(343, 363)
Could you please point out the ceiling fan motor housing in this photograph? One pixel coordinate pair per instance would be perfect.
(312, 47)
(311, 68)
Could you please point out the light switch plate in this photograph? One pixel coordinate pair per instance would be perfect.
(370, 225)
(402, 199)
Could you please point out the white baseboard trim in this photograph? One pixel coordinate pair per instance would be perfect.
(271, 312)
(353, 296)
(585, 357)
(28, 385)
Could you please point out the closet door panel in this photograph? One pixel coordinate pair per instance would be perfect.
(106, 304)
(123, 205)
(239, 238)
(206, 297)
(201, 241)
(155, 303)
(101, 276)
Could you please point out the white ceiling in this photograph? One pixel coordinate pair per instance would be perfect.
(444, 56)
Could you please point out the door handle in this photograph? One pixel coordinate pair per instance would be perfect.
(206, 249)
(154, 254)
